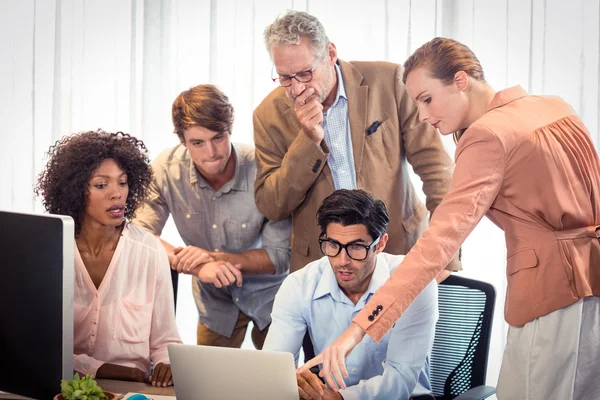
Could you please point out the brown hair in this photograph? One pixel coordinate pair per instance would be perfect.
(202, 105)
(443, 58)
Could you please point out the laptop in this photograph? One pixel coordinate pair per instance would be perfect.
(221, 373)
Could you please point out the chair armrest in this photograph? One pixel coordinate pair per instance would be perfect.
(477, 393)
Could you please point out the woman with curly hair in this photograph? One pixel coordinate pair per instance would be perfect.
(123, 300)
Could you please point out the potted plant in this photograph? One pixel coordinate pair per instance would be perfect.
(84, 388)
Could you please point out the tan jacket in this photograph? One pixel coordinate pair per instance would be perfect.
(293, 176)
(530, 166)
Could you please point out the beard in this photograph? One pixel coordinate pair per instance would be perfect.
(321, 91)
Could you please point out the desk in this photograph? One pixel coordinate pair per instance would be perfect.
(117, 387)
(122, 387)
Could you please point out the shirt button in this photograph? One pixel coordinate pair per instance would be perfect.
(214, 226)
(237, 299)
(353, 370)
(188, 216)
(214, 198)
(243, 225)
(216, 249)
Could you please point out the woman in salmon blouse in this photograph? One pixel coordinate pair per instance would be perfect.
(123, 298)
(529, 165)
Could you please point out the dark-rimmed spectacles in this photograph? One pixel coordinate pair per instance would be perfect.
(356, 251)
(302, 77)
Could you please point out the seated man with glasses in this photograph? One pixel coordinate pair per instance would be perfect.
(323, 298)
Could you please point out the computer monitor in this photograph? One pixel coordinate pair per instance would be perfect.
(36, 311)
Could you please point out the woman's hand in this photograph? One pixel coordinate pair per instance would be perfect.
(122, 373)
(333, 362)
(162, 375)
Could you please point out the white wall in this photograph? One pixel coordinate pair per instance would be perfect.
(72, 65)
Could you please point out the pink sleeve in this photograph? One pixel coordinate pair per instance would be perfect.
(475, 184)
(85, 364)
(164, 328)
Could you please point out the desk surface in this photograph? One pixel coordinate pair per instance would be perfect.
(118, 387)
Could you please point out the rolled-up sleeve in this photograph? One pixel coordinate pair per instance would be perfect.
(276, 242)
(154, 212)
(85, 364)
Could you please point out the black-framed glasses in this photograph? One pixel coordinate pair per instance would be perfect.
(302, 77)
(356, 251)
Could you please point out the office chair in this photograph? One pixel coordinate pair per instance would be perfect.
(462, 340)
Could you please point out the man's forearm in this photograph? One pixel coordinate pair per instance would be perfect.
(254, 262)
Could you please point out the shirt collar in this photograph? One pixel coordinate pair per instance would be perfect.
(341, 89)
(505, 96)
(236, 183)
(328, 284)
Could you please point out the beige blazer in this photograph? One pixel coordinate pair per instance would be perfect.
(293, 175)
(530, 166)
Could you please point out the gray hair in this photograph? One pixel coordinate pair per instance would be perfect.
(294, 25)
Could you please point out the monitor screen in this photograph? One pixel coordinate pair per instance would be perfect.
(36, 311)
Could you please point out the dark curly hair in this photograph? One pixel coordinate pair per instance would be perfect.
(64, 182)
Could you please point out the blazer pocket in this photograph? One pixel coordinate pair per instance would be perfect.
(383, 127)
(520, 260)
(133, 322)
(300, 245)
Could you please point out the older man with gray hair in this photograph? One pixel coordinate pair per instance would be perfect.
(333, 125)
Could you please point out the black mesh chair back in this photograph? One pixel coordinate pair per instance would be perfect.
(462, 339)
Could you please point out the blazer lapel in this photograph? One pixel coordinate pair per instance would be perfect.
(358, 95)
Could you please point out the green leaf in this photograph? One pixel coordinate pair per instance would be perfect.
(82, 388)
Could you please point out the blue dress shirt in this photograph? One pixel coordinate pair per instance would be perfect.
(336, 125)
(396, 368)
